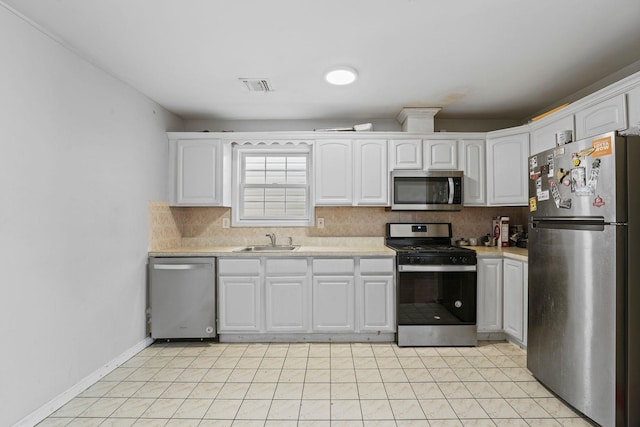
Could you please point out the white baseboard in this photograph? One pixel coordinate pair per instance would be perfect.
(57, 402)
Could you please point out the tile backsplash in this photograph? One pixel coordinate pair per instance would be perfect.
(202, 226)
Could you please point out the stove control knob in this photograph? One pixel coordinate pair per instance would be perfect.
(464, 259)
(454, 260)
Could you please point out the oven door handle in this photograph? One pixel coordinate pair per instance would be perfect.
(436, 268)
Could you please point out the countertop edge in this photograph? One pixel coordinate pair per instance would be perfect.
(519, 254)
(302, 251)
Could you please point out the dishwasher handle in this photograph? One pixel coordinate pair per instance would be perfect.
(180, 266)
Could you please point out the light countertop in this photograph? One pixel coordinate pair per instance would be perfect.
(301, 251)
(519, 254)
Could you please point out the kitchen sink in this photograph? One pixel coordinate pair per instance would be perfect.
(268, 248)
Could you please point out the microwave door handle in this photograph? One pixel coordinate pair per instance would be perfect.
(451, 191)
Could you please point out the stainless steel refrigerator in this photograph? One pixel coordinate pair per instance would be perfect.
(584, 282)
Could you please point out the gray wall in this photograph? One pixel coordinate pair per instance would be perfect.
(82, 154)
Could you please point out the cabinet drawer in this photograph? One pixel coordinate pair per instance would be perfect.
(376, 265)
(289, 266)
(239, 267)
(334, 266)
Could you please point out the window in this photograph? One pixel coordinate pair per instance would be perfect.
(273, 187)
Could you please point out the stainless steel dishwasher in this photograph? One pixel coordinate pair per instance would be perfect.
(182, 297)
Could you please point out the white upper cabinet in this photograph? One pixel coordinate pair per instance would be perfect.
(351, 173)
(473, 163)
(605, 116)
(544, 138)
(405, 154)
(440, 154)
(371, 173)
(507, 173)
(195, 172)
(333, 171)
(633, 101)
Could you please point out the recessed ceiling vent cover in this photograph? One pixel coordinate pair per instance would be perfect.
(257, 85)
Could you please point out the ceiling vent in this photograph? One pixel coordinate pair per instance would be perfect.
(257, 85)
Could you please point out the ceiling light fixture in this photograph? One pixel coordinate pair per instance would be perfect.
(341, 76)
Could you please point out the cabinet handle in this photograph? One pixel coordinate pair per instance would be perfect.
(180, 266)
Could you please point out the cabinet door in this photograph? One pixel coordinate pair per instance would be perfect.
(333, 303)
(525, 304)
(239, 304)
(513, 299)
(405, 153)
(371, 173)
(507, 172)
(472, 162)
(286, 304)
(196, 173)
(489, 294)
(633, 100)
(603, 117)
(333, 173)
(375, 302)
(544, 138)
(440, 154)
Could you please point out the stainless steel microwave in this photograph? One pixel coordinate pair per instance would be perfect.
(426, 190)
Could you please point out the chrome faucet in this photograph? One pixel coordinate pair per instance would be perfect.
(272, 236)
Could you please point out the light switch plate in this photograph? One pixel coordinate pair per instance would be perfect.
(320, 222)
(225, 223)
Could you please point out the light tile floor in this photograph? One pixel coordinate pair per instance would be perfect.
(337, 385)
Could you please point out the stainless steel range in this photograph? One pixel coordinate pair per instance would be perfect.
(436, 286)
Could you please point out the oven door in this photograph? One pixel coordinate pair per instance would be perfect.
(436, 305)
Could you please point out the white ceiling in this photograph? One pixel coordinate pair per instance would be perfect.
(474, 58)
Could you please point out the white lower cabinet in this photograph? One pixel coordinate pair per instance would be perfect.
(333, 308)
(301, 295)
(239, 304)
(515, 300)
(239, 295)
(375, 295)
(285, 301)
(333, 294)
(286, 294)
(489, 318)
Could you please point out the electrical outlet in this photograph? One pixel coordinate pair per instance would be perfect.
(320, 222)
(225, 223)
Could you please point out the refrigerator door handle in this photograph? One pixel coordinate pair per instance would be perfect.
(570, 223)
